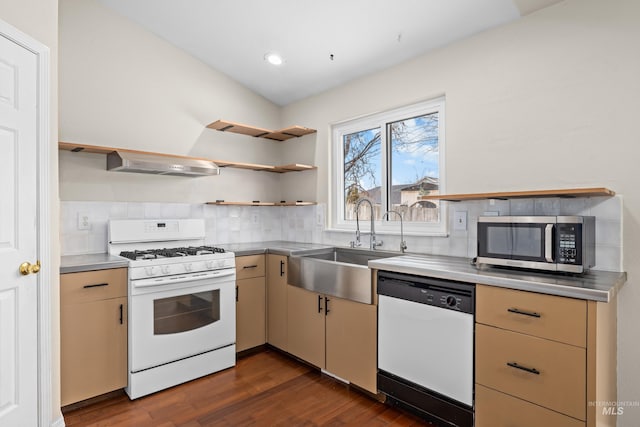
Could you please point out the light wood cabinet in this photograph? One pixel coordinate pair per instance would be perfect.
(93, 333)
(545, 316)
(306, 327)
(277, 301)
(250, 302)
(334, 334)
(542, 359)
(250, 266)
(351, 342)
(544, 372)
(495, 409)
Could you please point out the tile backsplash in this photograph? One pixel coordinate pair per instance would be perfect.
(240, 224)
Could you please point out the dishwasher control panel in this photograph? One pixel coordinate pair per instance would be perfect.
(447, 294)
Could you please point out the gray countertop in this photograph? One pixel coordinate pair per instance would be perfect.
(594, 285)
(277, 247)
(89, 262)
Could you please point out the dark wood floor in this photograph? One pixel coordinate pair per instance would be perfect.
(264, 389)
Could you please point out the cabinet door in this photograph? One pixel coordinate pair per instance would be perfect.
(277, 301)
(351, 342)
(93, 348)
(305, 318)
(250, 313)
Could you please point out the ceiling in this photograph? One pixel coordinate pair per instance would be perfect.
(324, 43)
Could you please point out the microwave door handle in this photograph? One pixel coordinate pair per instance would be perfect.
(548, 242)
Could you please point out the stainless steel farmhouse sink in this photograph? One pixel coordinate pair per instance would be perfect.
(341, 272)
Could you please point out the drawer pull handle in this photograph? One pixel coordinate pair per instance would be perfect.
(524, 313)
(319, 303)
(250, 266)
(121, 314)
(97, 285)
(281, 268)
(523, 368)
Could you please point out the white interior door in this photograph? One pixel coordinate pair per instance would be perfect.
(18, 236)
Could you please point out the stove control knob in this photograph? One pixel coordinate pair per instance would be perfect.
(220, 263)
(149, 270)
(209, 265)
(451, 301)
(166, 269)
(188, 267)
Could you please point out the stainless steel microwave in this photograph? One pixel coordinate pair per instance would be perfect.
(551, 243)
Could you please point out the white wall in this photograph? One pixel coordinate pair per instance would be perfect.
(121, 86)
(39, 19)
(550, 101)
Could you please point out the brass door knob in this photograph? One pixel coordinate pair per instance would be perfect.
(27, 268)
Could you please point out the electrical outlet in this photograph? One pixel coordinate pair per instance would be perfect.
(460, 220)
(255, 218)
(83, 221)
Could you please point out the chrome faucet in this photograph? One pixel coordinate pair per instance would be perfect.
(403, 243)
(372, 242)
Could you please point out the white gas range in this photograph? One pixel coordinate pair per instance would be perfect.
(181, 302)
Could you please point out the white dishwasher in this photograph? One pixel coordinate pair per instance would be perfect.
(425, 346)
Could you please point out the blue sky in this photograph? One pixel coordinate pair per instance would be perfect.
(409, 163)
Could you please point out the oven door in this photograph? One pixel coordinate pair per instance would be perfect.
(179, 320)
(526, 242)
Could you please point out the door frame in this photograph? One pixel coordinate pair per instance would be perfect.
(43, 215)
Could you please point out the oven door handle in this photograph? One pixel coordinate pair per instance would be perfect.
(143, 283)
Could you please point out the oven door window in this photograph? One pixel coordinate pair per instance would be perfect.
(184, 313)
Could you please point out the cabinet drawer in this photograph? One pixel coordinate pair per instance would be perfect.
(249, 266)
(548, 373)
(546, 316)
(495, 409)
(93, 285)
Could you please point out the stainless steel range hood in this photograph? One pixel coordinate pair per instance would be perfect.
(127, 161)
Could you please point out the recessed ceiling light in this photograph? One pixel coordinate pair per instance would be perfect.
(273, 58)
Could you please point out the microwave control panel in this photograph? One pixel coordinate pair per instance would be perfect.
(569, 243)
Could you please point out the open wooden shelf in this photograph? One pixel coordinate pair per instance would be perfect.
(276, 135)
(259, 203)
(84, 148)
(504, 195)
(294, 167)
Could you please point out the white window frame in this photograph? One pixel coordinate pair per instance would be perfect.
(336, 176)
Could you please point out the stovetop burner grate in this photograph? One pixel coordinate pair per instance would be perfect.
(139, 254)
(171, 252)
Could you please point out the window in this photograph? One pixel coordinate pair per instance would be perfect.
(393, 159)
